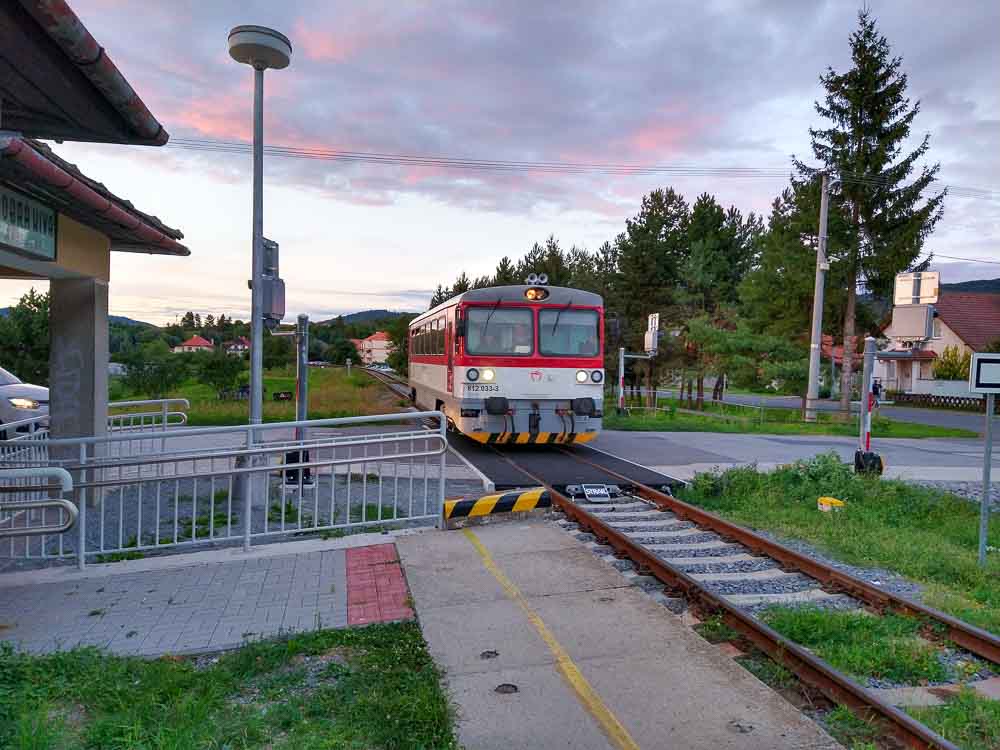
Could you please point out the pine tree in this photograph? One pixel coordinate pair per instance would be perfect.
(869, 120)
(505, 273)
(461, 285)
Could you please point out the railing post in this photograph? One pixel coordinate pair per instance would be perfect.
(81, 508)
(443, 430)
(248, 485)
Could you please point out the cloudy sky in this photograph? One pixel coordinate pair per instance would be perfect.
(706, 84)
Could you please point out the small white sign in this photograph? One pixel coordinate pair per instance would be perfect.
(984, 374)
(597, 493)
(653, 322)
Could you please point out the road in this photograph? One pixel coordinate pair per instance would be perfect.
(682, 454)
(941, 417)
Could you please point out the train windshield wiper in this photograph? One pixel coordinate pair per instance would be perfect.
(558, 313)
(492, 310)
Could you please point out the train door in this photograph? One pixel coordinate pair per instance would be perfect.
(449, 348)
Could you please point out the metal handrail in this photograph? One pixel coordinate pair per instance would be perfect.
(49, 472)
(254, 428)
(150, 402)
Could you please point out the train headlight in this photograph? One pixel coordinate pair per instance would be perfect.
(472, 374)
(597, 376)
(534, 294)
(488, 375)
(582, 376)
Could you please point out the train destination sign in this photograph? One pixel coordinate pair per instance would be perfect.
(27, 226)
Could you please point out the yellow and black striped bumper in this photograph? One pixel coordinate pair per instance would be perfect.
(532, 438)
(516, 501)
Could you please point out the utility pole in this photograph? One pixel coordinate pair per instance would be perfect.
(815, 348)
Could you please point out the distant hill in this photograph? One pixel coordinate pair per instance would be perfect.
(122, 320)
(119, 319)
(977, 285)
(366, 316)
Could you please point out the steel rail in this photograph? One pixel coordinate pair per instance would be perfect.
(807, 666)
(977, 640)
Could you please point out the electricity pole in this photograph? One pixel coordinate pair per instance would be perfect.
(822, 266)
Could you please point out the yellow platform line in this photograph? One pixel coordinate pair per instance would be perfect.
(586, 694)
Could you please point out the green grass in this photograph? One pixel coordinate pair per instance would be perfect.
(849, 730)
(886, 647)
(925, 534)
(968, 720)
(729, 419)
(373, 687)
(332, 394)
(767, 671)
(714, 630)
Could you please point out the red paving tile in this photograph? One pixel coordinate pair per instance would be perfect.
(376, 588)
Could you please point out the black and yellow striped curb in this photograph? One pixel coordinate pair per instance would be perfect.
(532, 438)
(515, 501)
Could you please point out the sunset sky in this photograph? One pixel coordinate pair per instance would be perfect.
(724, 83)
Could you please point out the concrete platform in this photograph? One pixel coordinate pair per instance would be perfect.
(596, 663)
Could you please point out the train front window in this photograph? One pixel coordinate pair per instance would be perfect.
(504, 330)
(568, 333)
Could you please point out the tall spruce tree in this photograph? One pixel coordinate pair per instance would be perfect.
(869, 119)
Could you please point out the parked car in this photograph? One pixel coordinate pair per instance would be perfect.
(20, 400)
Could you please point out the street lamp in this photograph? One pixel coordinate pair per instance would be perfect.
(261, 48)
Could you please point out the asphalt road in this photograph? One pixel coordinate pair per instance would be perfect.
(941, 417)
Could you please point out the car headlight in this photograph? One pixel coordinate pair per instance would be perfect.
(597, 376)
(472, 374)
(488, 375)
(23, 403)
(582, 376)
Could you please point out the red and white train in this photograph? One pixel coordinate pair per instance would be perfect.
(513, 364)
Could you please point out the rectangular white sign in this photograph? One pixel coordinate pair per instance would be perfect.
(917, 288)
(984, 374)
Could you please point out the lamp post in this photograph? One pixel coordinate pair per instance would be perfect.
(261, 48)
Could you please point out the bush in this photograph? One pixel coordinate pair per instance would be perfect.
(952, 365)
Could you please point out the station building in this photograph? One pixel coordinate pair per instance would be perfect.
(56, 223)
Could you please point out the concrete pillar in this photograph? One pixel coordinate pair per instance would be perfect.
(78, 357)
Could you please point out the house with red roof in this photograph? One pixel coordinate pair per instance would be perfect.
(194, 344)
(375, 348)
(240, 346)
(968, 321)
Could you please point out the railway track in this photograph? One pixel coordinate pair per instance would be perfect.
(728, 571)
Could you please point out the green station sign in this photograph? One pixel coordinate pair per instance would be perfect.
(27, 226)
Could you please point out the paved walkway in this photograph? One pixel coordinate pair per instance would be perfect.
(205, 601)
(545, 645)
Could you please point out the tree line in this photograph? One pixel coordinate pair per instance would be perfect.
(735, 291)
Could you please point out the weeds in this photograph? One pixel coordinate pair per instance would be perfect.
(371, 687)
(885, 648)
(849, 730)
(968, 720)
(923, 533)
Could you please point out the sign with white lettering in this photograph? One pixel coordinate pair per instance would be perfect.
(984, 373)
(597, 493)
(27, 226)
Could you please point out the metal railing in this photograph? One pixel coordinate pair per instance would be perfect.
(142, 491)
(25, 442)
(23, 496)
(146, 415)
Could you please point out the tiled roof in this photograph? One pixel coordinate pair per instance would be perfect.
(197, 340)
(974, 317)
(378, 336)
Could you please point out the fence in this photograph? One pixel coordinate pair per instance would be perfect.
(933, 400)
(25, 504)
(138, 491)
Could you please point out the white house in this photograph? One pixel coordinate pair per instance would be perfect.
(194, 344)
(967, 321)
(375, 348)
(239, 346)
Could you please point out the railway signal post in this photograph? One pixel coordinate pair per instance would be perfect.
(651, 339)
(984, 378)
(866, 461)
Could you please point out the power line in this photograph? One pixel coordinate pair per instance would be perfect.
(970, 260)
(547, 167)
